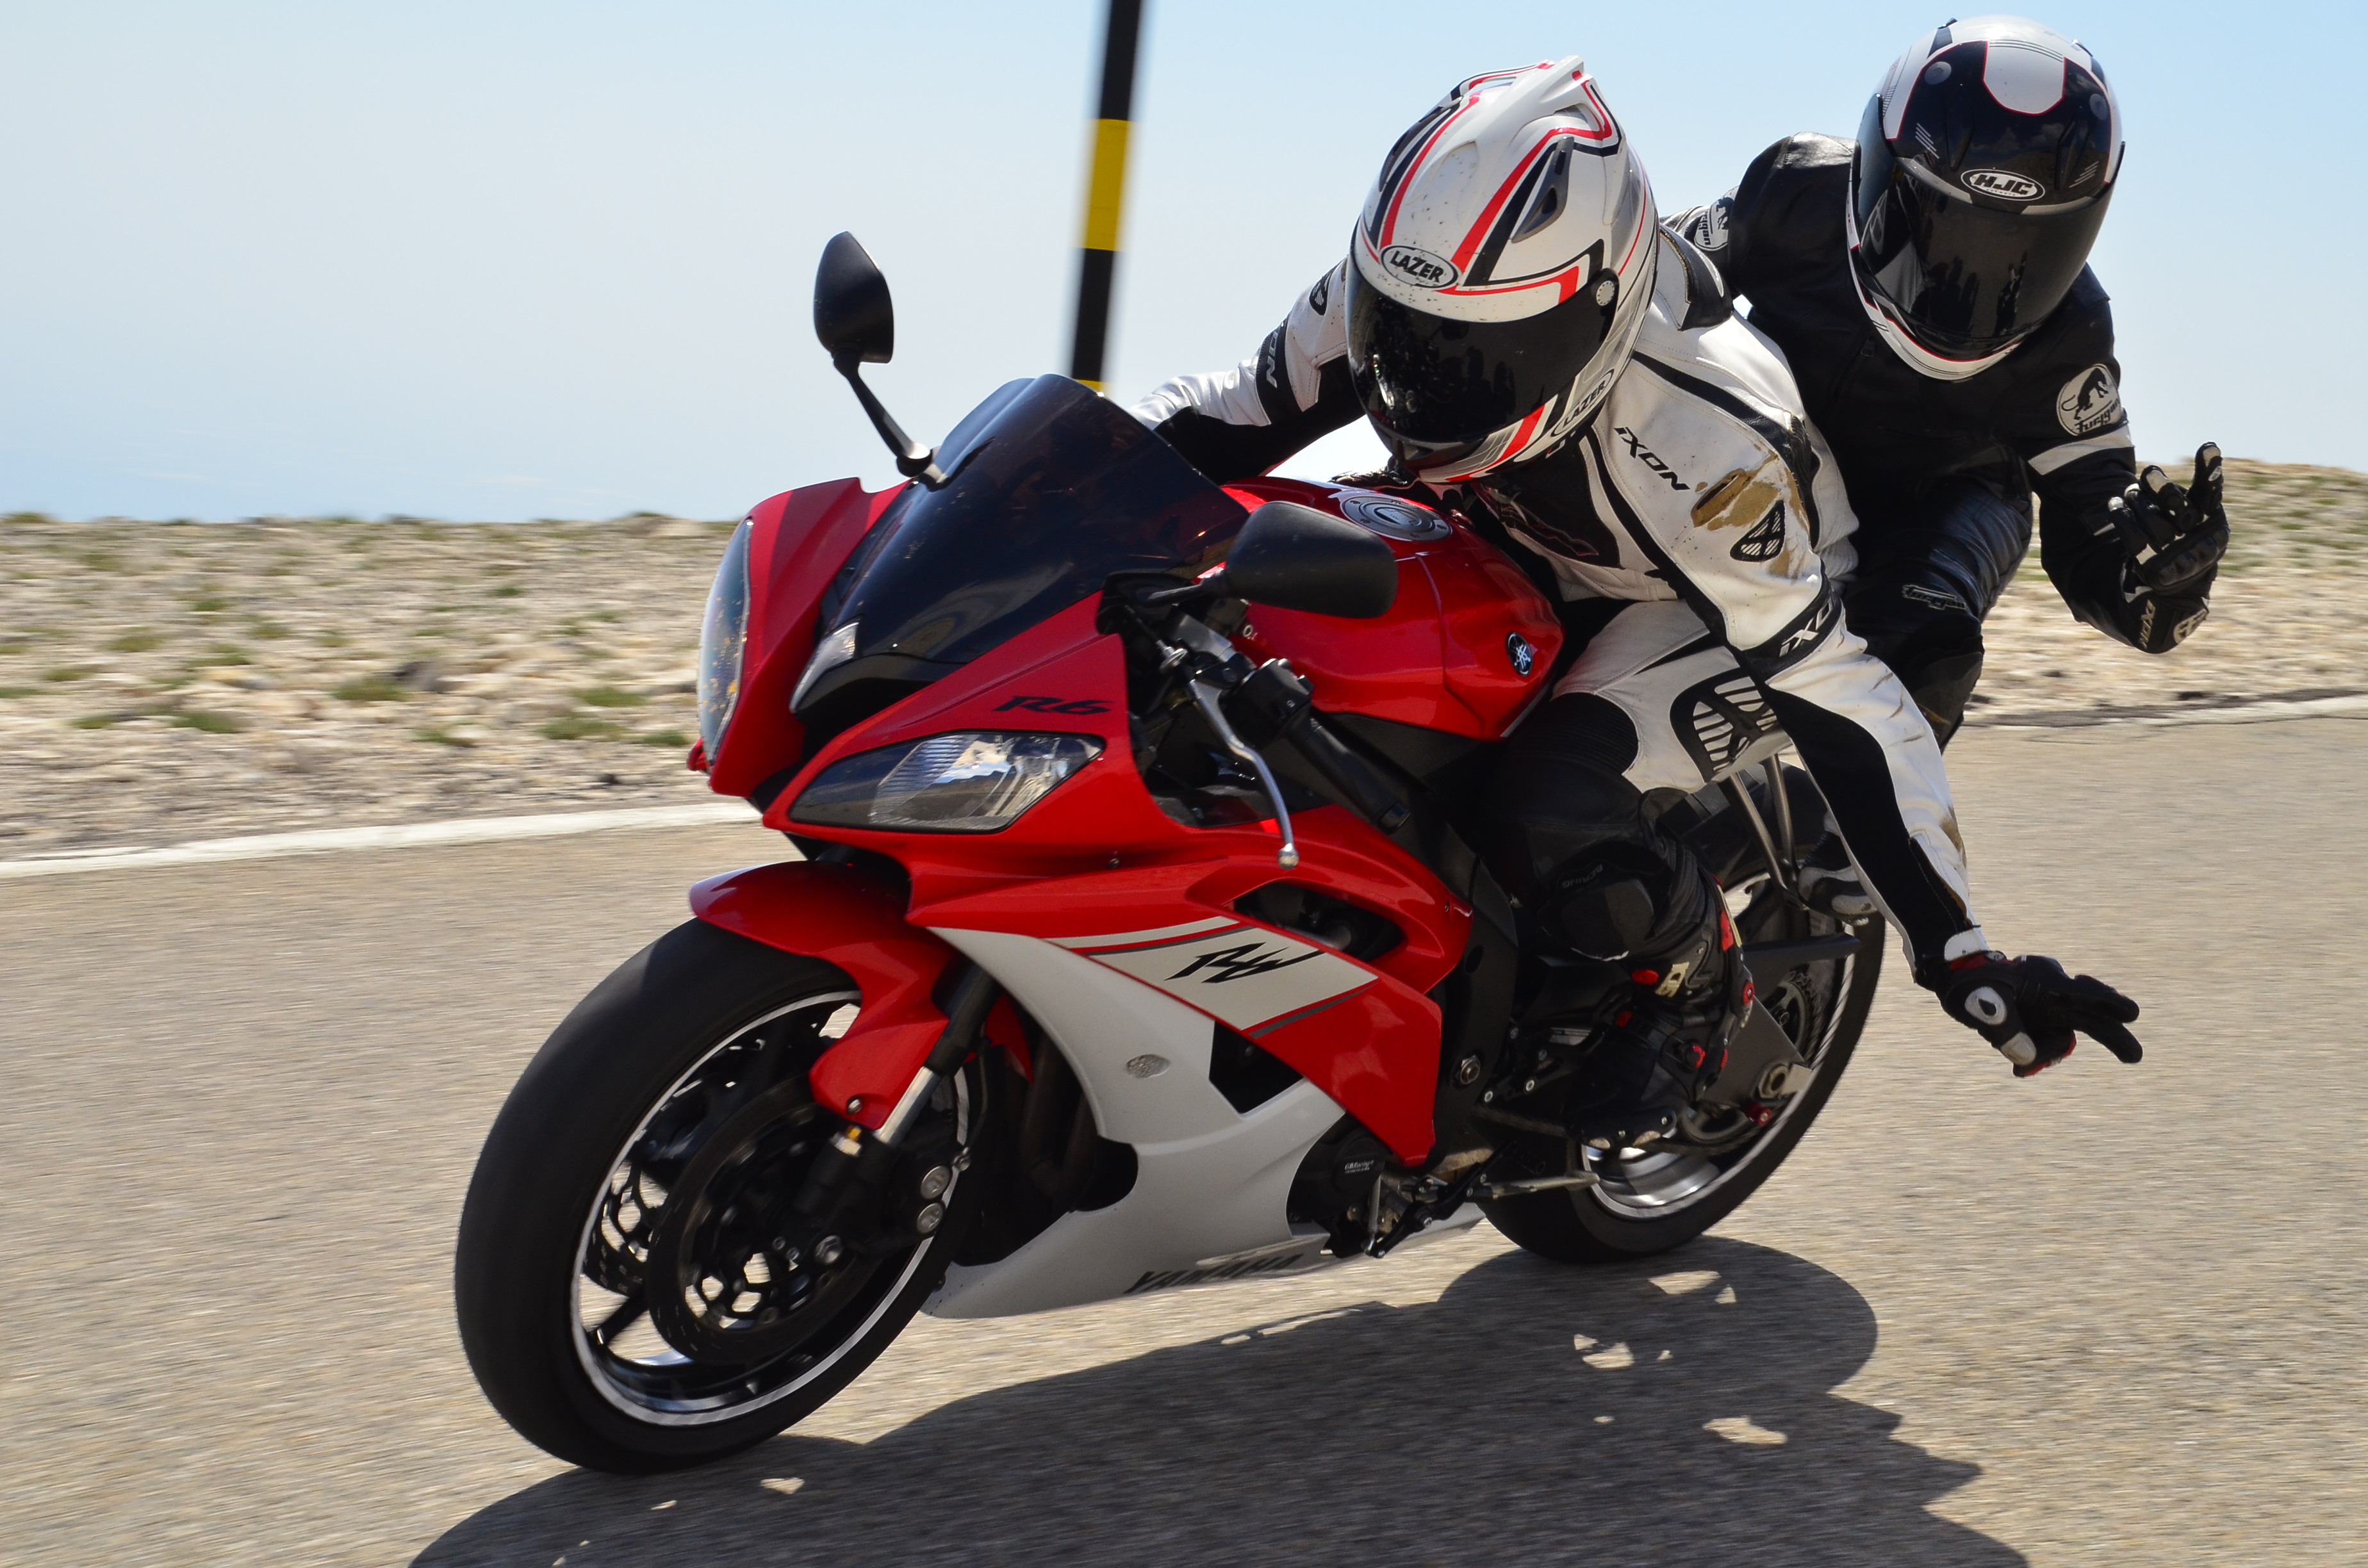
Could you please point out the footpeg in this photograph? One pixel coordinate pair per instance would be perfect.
(1526, 1186)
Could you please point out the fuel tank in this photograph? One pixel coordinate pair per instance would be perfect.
(1467, 647)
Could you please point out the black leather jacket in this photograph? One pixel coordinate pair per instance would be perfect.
(2047, 417)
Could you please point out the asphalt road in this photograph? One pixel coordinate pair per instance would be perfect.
(2112, 1316)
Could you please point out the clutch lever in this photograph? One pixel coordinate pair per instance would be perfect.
(1205, 697)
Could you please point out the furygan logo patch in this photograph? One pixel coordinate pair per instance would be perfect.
(1421, 267)
(2089, 402)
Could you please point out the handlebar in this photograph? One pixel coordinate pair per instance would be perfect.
(1278, 705)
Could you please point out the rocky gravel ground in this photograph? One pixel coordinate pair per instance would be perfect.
(168, 681)
(2289, 614)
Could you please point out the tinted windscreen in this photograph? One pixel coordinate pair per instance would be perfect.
(1054, 489)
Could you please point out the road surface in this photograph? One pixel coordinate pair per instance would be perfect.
(2112, 1316)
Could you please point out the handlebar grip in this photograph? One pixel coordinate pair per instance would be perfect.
(1347, 772)
(1281, 707)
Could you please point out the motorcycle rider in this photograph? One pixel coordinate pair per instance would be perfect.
(1928, 285)
(1539, 353)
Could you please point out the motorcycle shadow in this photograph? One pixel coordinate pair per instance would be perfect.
(1679, 1411)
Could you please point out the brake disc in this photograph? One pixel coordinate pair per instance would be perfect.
(734, 1276)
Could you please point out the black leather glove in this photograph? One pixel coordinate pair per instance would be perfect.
(2175, 537)
(2029, 1008)
(1389, 481)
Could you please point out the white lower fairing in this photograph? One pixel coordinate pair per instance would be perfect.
(1210, 1183)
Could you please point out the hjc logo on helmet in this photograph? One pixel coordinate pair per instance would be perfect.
(2002, 184)
(1419, 267)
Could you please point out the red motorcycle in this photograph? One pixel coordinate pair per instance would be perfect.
(1139, 939)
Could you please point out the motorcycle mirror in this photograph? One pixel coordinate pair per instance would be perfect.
(853, 314)
(1293, 557)
(858, 326)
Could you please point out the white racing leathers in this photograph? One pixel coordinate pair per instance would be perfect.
(1700, 500)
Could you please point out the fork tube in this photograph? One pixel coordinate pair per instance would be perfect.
(857, 1154)
(1737, 792)
(1786, 841)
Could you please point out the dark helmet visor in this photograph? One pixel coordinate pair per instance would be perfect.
(1439, 382)
(1968, 277)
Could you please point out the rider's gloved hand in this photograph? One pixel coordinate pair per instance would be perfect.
(2175, 536)
(1388, 481)
(2029, 1008)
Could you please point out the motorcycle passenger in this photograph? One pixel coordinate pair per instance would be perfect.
(1929, 285)
(1536, 350)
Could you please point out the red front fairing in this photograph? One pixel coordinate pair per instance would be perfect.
(797, 543)
(1097, 862)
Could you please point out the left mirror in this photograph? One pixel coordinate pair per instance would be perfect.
(851, 312)
(1294, 557)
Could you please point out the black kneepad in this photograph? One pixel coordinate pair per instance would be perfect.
(1931, 640)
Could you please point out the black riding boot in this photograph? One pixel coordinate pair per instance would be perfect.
(1661, 1040)
(1572, 846)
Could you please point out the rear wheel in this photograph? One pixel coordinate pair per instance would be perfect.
(634, 1288)
(1651, 1200)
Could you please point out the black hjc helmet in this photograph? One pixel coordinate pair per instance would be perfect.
(1983, 169)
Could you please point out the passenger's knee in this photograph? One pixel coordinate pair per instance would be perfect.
(1932, 642)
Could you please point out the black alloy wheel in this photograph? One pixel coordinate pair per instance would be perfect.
(636, 1289)
(1650, 1201)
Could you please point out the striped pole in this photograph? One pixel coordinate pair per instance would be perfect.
(1105, 191)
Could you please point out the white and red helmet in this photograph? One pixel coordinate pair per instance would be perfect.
(1499, 273)
(1983, 171)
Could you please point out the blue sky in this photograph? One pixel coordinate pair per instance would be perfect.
(517, 259)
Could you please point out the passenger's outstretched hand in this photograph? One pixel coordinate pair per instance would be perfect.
(2174, 536)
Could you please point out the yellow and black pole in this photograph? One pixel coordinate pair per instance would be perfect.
(1105, 192)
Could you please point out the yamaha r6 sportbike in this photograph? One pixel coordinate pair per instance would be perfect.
(1139, 940)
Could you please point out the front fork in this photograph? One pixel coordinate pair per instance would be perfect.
(854, 1163)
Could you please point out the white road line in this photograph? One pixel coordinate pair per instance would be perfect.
(331, 840)
(2265, 711)
(560, 824)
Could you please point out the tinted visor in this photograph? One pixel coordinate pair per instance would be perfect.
(1966, 276)
(1439, 382)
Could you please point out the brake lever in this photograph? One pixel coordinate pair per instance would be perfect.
(1205, 697)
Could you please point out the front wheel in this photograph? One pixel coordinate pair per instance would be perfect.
(635, 1290)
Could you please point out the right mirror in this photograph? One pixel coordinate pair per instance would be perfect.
(1294, 557)
(851, 312)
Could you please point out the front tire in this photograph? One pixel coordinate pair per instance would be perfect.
(684, 1070)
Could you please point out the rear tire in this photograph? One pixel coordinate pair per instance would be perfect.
(534, 1231)
(1590, 1225)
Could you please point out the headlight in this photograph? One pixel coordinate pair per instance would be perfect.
(722, 641)
(972, 782)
